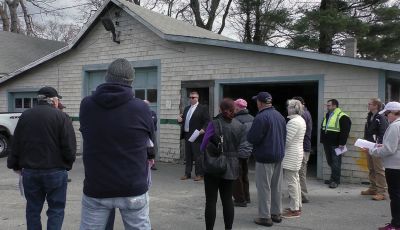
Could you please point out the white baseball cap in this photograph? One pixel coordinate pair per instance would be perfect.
(391, 106)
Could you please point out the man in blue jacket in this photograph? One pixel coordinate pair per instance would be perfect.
(116, 128)
(268, 136)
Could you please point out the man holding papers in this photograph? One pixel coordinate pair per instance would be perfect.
(375, 128)
(194, 117)
(335, 130)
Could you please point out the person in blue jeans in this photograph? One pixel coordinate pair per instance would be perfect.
(43, 149)
(116, 128)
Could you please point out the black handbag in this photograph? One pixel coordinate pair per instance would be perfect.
(214, 158)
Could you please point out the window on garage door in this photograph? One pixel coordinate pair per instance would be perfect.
(21, 101)
(144, 86)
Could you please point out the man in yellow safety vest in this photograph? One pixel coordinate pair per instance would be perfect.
(335, 130)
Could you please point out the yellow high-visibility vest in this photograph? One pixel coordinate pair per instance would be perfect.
(333, 125)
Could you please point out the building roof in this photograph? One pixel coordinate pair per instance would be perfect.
(174, 30)
(18, 50)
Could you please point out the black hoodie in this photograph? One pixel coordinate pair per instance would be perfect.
(115, 127)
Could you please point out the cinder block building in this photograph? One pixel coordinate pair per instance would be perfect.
(171, 58)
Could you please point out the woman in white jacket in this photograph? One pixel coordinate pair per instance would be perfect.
(296, 129)
(389, 151)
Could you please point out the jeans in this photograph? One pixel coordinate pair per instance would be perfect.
(334, 161)
(393, 182)
(41, 184)
(134, 211)
(211, 186)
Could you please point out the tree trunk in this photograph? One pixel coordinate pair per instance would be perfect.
(195, 6)
(247, 26)
(325, 33)
(4, 17)
(28, 21)
(224, 17)
(12, 6)
(257, 24)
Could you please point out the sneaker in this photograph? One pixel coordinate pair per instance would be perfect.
(327, 181)
(264, 222)
(198, 178)
(388, 227)
(368, 192)
(276, 218)
(69, 180)
(248, 201)
(185, 177)
(239, 204)
(288, 214)
(379, 197)
(333, 185)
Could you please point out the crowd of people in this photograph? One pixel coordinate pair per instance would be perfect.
(118, 155)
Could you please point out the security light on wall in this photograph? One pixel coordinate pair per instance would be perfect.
(109, 26)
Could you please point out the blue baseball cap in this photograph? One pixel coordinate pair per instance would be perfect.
(263, 97)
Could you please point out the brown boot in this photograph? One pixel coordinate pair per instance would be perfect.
(185, 177)
(368, 192)
(198, 178)
(379, 197)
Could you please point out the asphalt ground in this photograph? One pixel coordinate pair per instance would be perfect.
(179, 205)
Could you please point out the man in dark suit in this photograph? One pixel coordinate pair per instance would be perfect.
(195, 116)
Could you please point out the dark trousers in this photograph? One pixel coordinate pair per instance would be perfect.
(40, 185)
(393, 182)
(192, 153)
(334, 161)
(211, 186)
(241, 192)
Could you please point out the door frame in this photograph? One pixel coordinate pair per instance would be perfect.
(320, 78)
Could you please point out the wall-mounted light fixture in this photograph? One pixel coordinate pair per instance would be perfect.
(109, 26)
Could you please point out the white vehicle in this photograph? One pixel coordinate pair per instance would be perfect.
(8, 122)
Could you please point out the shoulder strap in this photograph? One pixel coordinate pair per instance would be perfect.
(221, 135)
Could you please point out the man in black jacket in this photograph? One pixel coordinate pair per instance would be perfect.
(44, 148)
(335, 130)
(194, 117)
(375, 128)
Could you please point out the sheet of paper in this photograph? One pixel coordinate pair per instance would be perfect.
(340, 151)
(361, 143)
(150, 143)
(194, 136)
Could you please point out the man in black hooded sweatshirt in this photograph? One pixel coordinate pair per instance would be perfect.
(116, 128)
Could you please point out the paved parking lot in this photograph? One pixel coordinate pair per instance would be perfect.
(179, 205)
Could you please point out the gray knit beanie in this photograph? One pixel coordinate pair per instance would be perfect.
(120, 71)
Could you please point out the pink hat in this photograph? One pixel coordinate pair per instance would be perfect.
(241, 103)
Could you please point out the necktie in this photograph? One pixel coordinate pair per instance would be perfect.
(187, 119)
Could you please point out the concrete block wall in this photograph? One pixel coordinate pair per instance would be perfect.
(352, 86)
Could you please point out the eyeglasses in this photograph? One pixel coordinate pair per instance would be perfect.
(193, 97)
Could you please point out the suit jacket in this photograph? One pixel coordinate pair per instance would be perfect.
(199, 120)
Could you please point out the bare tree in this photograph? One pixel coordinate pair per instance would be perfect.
(54, 30)
(12, 7)
(4, 16)
(209, 10)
